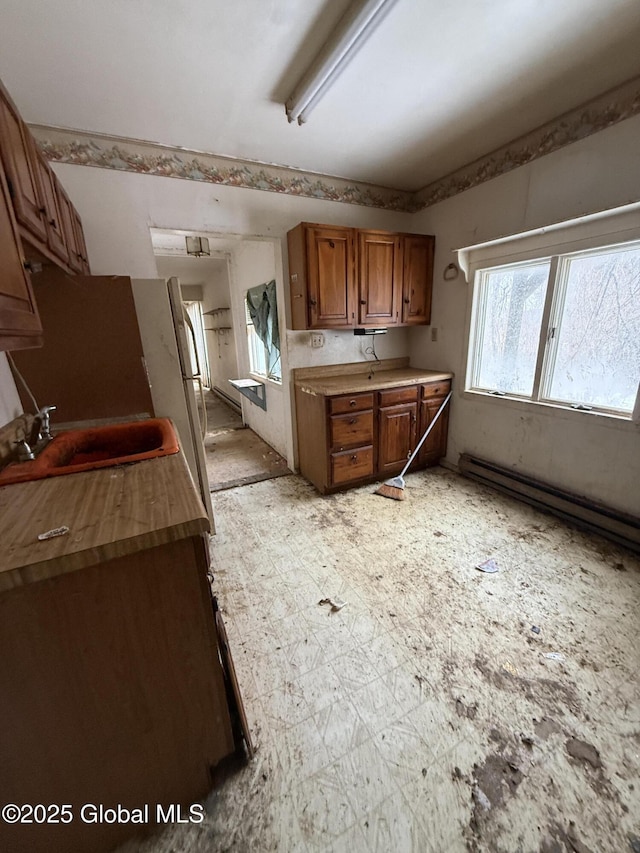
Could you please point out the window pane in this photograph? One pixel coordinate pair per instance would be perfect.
(508, 330)
(257, 360)
(597, 359)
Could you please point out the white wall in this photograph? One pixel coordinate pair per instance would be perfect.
(119, 208)
(207, 280)
(594, 456)
(10, 405)
(221, 345)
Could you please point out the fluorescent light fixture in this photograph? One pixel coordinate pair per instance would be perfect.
(353, 29)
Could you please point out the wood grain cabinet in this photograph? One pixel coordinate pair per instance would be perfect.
(38, 225)
(379, 278)
(114, 683)
(20, 325)
(435, 446)
(348, 439)
(18, 157)
(397, 419)
(344, 277)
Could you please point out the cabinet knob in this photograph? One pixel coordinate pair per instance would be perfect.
(52, 223)
(406, 300)
(313, 302)
(353, 420)
(354, 457)
(332, 244)
(42, 211)
(353, 403)
(363, 302)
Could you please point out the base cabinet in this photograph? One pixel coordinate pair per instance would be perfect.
(435, 446)
(347, 440)
(112, 692)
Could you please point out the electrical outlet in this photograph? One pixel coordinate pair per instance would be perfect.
(434, 333)
(317, 339)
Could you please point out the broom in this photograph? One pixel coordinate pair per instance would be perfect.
(394, 488)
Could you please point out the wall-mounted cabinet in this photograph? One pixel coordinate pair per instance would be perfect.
(38, 224)
(19, 321)
(342, 278)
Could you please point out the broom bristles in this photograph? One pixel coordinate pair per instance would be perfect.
(396, 493)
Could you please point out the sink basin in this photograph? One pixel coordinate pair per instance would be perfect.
(96, 447)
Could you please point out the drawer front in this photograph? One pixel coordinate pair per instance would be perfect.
(351, 430)
(350, 403)
(399, 395)
(351, 465)
(436, 389)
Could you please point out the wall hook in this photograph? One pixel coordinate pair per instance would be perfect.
(451, 272)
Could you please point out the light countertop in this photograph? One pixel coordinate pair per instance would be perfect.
(355, 383)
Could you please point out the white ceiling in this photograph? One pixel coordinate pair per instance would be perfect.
(437, 85)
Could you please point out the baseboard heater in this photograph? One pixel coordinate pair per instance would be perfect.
(617, 526)
(227, 399)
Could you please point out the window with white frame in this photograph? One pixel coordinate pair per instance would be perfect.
(563, 329)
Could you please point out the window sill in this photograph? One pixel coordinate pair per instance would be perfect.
(555, 410)
(265, 380)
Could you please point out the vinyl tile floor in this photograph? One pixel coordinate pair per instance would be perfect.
(442, 708)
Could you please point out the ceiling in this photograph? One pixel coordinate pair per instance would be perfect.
(436, 86)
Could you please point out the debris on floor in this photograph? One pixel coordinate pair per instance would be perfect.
(335, 603)
(584, 751)
(488, 566)
(437, 725)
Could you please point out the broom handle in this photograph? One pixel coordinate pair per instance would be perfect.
(426, 433)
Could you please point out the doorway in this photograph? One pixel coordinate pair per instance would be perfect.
(234, 453)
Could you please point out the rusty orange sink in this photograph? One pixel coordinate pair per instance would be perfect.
(96, 447)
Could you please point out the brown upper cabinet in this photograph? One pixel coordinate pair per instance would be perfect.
(342, 278)
(56, 239)
(18, 158)
(19, 322)
(38, 225)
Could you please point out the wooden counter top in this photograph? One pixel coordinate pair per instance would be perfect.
(110, 512)
(354, 378)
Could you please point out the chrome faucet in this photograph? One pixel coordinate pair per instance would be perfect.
(25, 453)
(44, 417)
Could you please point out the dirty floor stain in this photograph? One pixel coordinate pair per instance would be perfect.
(425, 715)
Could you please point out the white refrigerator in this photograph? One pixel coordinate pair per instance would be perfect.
(164, 330)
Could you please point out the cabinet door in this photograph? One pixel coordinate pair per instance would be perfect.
(396, 436)
(330, 260)
(417, 280)
(435, 447)
(67, 212)
(18, 155)
(379, 278)
(53, 215)
(19, 322)
(80, 243)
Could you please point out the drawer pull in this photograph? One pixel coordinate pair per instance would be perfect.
(354, 458)
(353, 420)
(353, 403)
